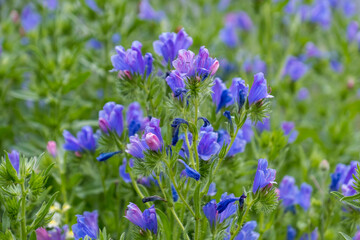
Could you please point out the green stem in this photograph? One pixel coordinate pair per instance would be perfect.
(23, 233)
(190, 150)
(179, 222)
(136, 187)
(241, 222)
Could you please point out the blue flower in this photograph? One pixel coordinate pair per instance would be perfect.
(294, 68)
(29, 18)
(238, 144)
(136, 147)
(336, 66)
(208, 145)
(338, 177)
(50, 4)
(229, 36)
(94, 44)
(87, 225)
(258, 89)
(291, 233)
(176, 82)
(190, 172)
(93, 6)
(264, 176)
(221, 95)
(190, 66)
(132, 60)
(211, 213)
(122, 170)
(254, 65)
(288, 128)
(312, 236)
(145, 220)
(105, 156)
(116, 38)
(212, 189)
(247, 232)
(264, 125)
(223, 204)
(146, 12)
(111, 118)
(312, 51)
(304, 196)
(153, 126)
(239, 91)
(175, 129)
(351, 31)
(288, 191)
(303, 94)
(239, 20)
(169, 45)
(184, 152)
(134, 118)
(15, 160)
(85, 141)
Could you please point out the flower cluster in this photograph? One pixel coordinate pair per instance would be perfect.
(342, 178)
(145, 220)
(291, 195)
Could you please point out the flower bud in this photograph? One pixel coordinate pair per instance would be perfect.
(104, 125)
(153, 141)
(51, 148)
(324, 165)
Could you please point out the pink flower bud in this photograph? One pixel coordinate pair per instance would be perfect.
(51, 148)
(124, 74)
(104, 125)
(214, 67)
(153, 141)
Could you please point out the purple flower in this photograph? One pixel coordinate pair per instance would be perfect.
(352, 30)
(122, 170)
(247, 232)
(15, 160)
(132, 60)
(258, 89)
(29, 18)
(145, 220)
(175, 82)
(111, 118)
(223, 5)
(212, 189)
(294, 68)
(208, 145)
(94, 44)
(190, 172)
(288, 191)
(288, 128)
(136, 147)
(154, 127)
(238, 144)
(85, 141)
(55, 234)
(174, 193)
(254, 65)
(169, 45)
(239, 91)
(214, 216)
(336, 66)
(264, 176)
(264, 125)
(51, 148)
(229, 36)
(240, 20)
(303, 94)
(184, 152)
(93, 6)
(87, 225)
(312, 51)
(134, 118)
(312, 236)
(146, 12)
(247, 131)
(320, 13)
(116, 38)
(223, 204)
(338, 177)
(50, 4)
(221, 95)
(304, 196)
(153, 141)
(190, 66)
(348, 188)
(291, 233)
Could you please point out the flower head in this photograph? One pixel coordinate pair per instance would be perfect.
(239, 91)
(288, 191)
(85, 140)
(146, 12)
(352, 30)
(304, 196)
(87, 225)
(221, 95)
(29, 18)
(295, 68)
(132, 60)
(229, 35)
(303, 94)
(288, 128)
(176, 82)
(169, 45)
(51, 148)
(239, 20)
(14, 158)
(105, 156)
(153, 141)
(55, 234)
(258, 90)
(122, 170)
(134, 118)
(247, 232)
(208, 145)
(264, 176)
(254, 65)
(145, 220)
(111, 118)
(136, 147)
(238, 145)
(312, 51)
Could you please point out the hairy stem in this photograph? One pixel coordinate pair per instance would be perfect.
(23, 233)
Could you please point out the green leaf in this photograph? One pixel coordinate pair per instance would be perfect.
(75, 82)
(10, 169)
(42, 213)
(350, 198)
(345, 236)
(5, 222)
(337, 194)
(164, 223)
(266, 201)
(197, 199)
(122, 237)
